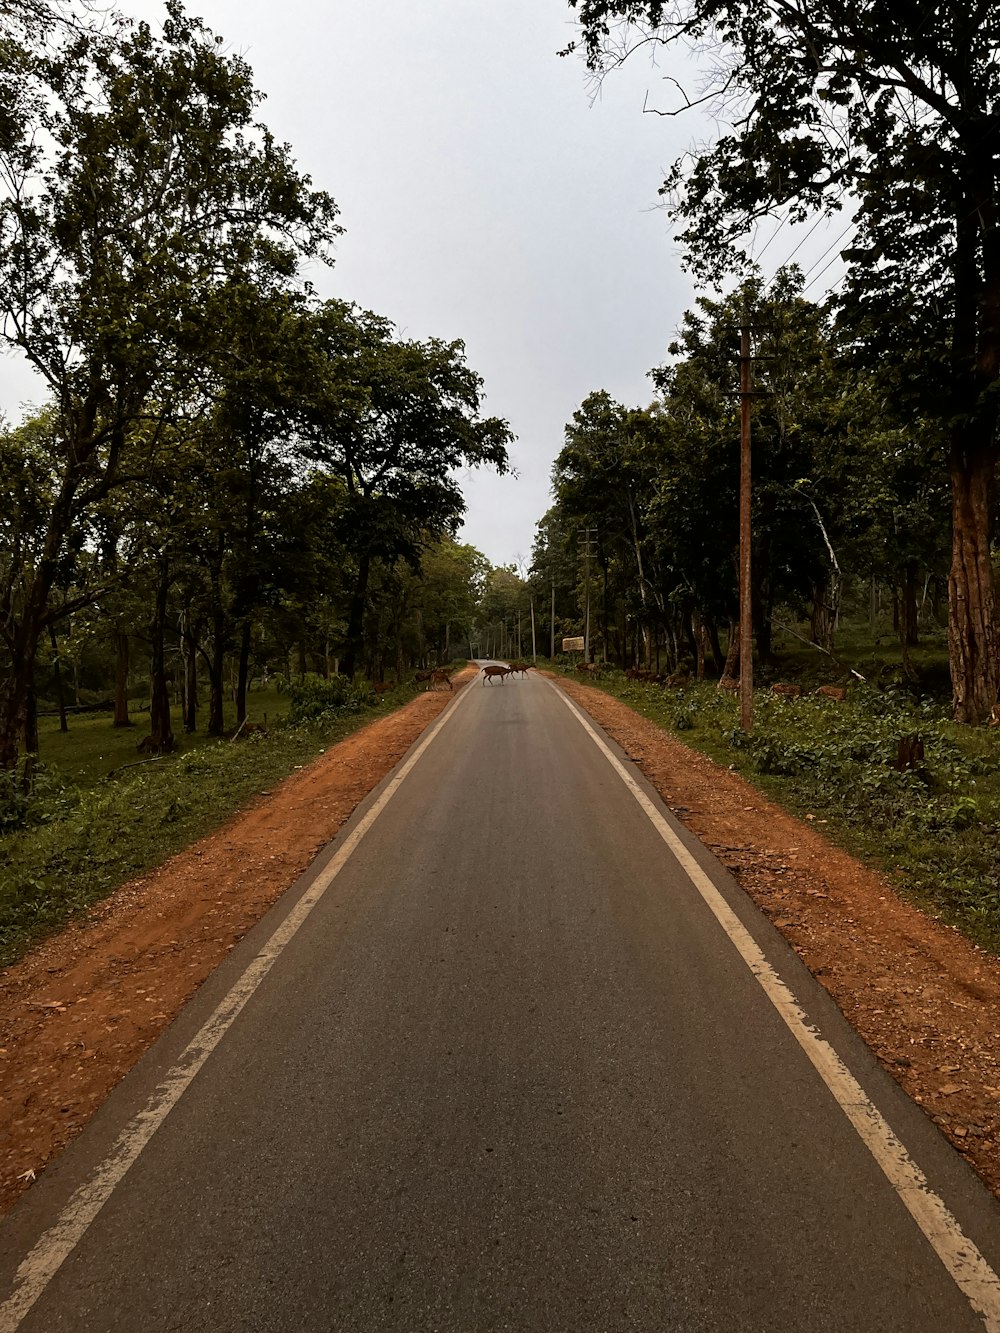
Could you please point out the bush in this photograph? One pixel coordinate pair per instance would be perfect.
(28, 802)
(315, 697)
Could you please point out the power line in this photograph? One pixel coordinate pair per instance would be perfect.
(832, 246)
(784, 221)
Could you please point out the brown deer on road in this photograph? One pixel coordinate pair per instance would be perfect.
(491, 672)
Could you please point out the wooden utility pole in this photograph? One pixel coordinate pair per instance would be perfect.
(587, 537)
(746, 584)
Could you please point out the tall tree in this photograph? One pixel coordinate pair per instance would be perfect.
(137, 186)
(895, 110)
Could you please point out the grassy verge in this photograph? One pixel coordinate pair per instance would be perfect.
(81, 836)
(92, 747)
(934, 829)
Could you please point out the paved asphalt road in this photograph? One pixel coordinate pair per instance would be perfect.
(510, 1074)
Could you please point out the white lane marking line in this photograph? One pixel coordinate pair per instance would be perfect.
(964, 1262)
(43, 1261)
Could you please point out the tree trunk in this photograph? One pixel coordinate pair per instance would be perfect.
(244, 675)
(973, 640)
(190, 677)
(718, 657)
(30, 724)
(909, 627)
(356, 617)
(698, 630)
(731, 670)
(822, 619)
(216, 685)
(57, 674)
(122, 718)
(14, 693)
(161, 734)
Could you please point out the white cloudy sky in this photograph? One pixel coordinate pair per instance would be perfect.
(486, 196)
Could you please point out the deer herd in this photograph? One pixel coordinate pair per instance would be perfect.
(498, 672)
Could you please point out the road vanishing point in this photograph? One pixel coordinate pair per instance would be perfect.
(517, 1055)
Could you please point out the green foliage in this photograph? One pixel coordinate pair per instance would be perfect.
(935, 828)
(30, 795)
(314, 697)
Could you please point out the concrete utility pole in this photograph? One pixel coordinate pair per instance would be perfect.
(746, 584)
(534, 650)
(588, 536)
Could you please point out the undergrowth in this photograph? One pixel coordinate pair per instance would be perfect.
(934, 828)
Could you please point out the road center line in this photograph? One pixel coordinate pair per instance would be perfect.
(43, 1261)
(964, 1262)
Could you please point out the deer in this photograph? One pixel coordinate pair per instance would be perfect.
(789, 691)
(522, 667)
(491, 672)
(836, 692)
(432, 675)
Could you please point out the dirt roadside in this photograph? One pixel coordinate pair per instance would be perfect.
(77, 1013)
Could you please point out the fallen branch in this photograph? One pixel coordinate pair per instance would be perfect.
(138, 763)
(820, 649)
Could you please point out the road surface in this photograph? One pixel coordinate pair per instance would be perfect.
(502, 1061)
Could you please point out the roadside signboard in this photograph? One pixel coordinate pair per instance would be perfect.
(573, 645)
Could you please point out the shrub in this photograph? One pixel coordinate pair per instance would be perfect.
(315, 697)
(28, 802)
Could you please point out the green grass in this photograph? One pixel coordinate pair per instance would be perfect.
(935, 831)
(878, 659)
(84, 833)
(92, 747)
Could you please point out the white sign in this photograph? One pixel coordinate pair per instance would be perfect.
(573, 645)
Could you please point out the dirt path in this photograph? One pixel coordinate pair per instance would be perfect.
(77, 1013)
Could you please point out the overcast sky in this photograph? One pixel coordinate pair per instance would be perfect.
(486, 196)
